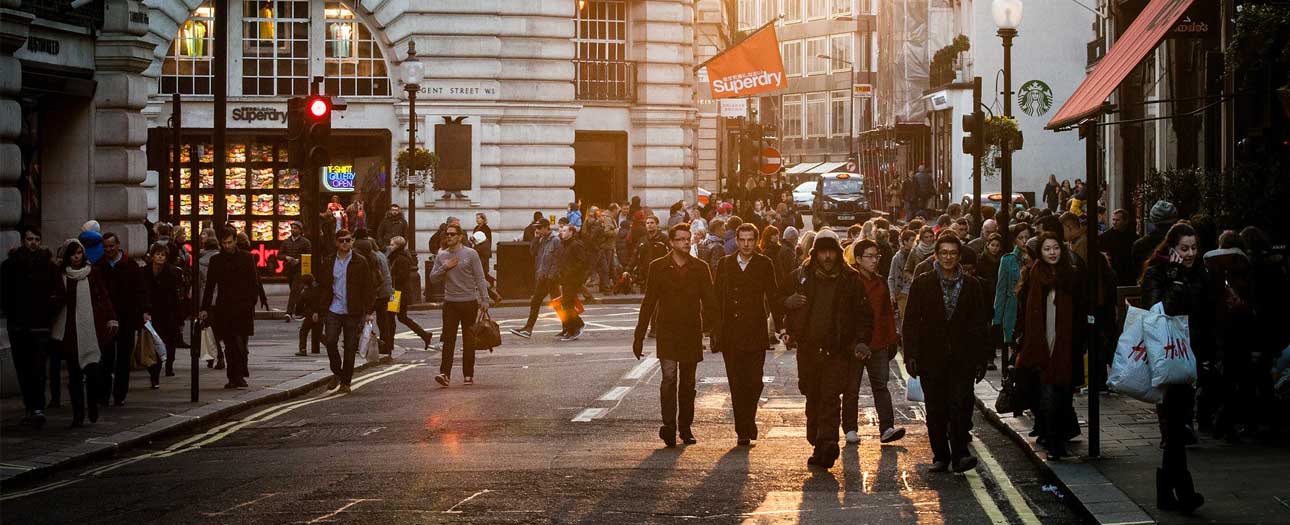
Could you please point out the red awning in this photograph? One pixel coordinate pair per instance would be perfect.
(1141, 37)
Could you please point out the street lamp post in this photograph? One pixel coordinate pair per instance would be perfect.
(412, 71)
(1007, 16)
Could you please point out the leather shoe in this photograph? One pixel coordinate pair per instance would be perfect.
(965, 464)
(743, 442)
(939, 466)
(668, 436)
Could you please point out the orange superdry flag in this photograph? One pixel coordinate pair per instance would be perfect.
(751, 67)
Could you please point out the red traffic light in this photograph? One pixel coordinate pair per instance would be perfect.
(318, 107)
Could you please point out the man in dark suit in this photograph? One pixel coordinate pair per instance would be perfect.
(124, 280)
(680, 292)
(946, 346)
(745, 285)
(347, 296)
(233, 273)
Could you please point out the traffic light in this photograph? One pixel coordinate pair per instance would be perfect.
(296, 132)
(317, 118)
(974, 133)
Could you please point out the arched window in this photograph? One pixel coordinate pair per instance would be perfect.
(277, 39)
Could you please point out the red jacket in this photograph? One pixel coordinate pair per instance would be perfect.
(884, 317)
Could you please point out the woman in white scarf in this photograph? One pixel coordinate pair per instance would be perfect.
(85, 321)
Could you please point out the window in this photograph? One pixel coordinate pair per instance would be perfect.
(817, 8)
(866, 7)
(792, 10)
(768, 11)
(814, 48)
(747, 14)
(602, 72)
(792, 116)
(817, 114)
(275, 47)
(354, 64)
(841, 113)
(863, 45)
(841, 7)
(792, 54)
(840, 50)
(187, 67)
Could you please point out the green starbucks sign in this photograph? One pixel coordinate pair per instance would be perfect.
(1035, 98)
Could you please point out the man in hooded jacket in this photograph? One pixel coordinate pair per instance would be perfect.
(829, 318)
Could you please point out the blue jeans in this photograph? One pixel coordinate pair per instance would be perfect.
(333, 325)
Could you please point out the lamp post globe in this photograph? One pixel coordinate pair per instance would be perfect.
(1007, 13)
(411, 72)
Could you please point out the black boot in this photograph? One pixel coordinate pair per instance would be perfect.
(1188, 499)
(1165, 499)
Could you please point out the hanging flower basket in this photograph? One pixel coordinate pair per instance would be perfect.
(416, 166)
(1003, 132)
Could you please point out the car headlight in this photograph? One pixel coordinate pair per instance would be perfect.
(828, 205)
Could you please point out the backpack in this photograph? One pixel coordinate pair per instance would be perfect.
(711, 251)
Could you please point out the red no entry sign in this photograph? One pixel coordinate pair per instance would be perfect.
(770, 161)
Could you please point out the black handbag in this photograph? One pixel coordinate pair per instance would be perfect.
(1004, 404)
(485, 333)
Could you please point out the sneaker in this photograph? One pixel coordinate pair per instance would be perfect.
(37, 419)
(573, 336)
(302, 354)
(299, 317)
(853, 437)
(892, 434)
(442, 379)
(469, 381)
(344, 389)
(522, 332)
(333, 383)
(434, 346)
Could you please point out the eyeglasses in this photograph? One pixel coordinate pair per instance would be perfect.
(451, 234)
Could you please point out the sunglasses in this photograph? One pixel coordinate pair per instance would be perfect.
(451, 234)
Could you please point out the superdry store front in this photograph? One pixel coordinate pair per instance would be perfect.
(262, 195)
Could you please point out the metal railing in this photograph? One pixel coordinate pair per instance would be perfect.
(611, 80)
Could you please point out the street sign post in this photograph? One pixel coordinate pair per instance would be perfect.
(770, 161)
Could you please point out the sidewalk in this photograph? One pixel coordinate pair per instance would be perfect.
(147, 415)
(278, 302)
(1241, 483)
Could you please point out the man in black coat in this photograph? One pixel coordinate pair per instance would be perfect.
(947, 346)
(347, 297)
(27, 283)
(828, 317)
(680, 292)
(745, 286)
(124, 280)
(571, 257)
(232, 316)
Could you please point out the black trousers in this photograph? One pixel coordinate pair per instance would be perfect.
(29, 359)
(342, 364)
(384, 325)
(676, 395)
(822, 379)
(1175, 413)
(235, 356)
(569, 319)
(541, 289)
(410, 323)
(1055, 416)
(310, 328)
(454, 315)
(744, 371)
(949, 412)
(115, 370)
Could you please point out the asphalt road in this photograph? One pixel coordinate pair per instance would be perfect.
(552, 433)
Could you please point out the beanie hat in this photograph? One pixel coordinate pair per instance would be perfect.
(1163, 211)
(790, 234)
(826, 239)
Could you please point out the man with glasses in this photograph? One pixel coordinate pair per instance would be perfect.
(680, 292)
(27, 282)
(347, 296)
(873, 355)
(947, 346)
(465, 294)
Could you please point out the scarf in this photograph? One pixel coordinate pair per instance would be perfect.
(950, 288)
(87, 339)
(827, 273)
(1055, 362)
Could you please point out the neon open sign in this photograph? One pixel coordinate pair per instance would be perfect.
(339, 178)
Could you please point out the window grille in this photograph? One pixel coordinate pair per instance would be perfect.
(792, 116)
(792, 54)
(841, 112)
(187, 67)
(817, 114)
(601, 68)
(840, 50)
(354, 64)
(275, 47)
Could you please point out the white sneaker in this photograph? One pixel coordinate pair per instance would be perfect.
(852, 437)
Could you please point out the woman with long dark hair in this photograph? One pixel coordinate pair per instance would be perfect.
(1174, 275)
(1048, 324)
(162, 282)
(84, 323)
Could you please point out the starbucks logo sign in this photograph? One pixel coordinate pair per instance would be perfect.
(1036, 98)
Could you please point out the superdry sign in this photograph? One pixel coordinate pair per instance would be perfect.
(751, 67)
(258, 113)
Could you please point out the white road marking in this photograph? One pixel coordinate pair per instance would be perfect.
(1010, 491)
(329, 516)
(589, 414)
(454, 510)
(42, 488)
(644, 367)
(615, 393)
(240, 505)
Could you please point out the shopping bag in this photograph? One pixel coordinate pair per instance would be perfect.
(914, 390)
(560, 312)
(1130, 369)
(369, 344)
(1169, 348)
(396, 301)
(144, 354)
(208, 347)
(485, 333)
(156, 339)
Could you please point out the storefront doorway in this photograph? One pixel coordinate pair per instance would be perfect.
(600, 168)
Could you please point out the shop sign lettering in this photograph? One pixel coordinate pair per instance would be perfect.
(254, 114)
(339, 178)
